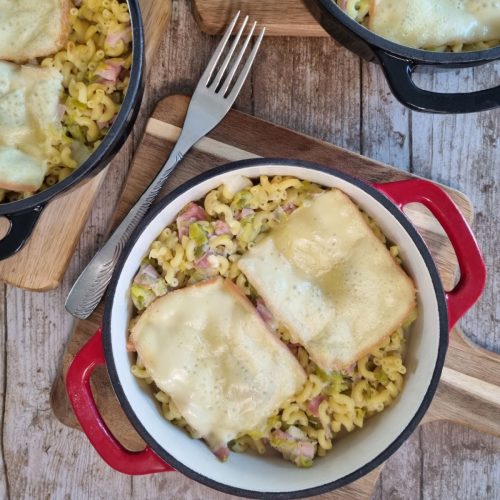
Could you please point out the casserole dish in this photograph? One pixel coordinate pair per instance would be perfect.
(399, 62)
(23, 214)
(354, 455)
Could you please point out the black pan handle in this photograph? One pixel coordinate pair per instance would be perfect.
(398, 72)
(21, 227)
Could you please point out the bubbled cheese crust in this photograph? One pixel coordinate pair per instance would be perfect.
(435, 23)
(29, 109)
(325, 275)
(32, 28)
(209, 350)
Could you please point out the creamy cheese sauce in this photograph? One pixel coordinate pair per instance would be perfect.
(330, 280)
(434, 23)
(208, 349)
(29, 102)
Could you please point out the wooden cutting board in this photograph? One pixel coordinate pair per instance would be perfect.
(41, 264)
(283, 18)
(465, 395)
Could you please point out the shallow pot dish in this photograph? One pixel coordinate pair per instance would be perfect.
(355, 454)
(399, 62)
(23, 214)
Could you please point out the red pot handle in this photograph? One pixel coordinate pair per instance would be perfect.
(472, 267)
(78, 387)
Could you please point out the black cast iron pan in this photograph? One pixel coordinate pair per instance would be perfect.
(23, 214)
(399, 62)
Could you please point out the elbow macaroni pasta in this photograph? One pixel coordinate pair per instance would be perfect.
(99, 46)
(328, 405)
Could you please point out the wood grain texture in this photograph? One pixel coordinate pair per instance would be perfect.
(445, 461)
(3, 371)
(42, 262)
(214, 15)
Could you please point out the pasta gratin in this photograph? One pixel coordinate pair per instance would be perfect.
(436, 25)
(207, 241)
(94, 66)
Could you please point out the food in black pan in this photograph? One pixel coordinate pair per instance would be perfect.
(438, 25)
(64, 89)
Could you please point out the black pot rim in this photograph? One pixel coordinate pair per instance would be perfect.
(113, 138)
(361, 471)
(417, 55)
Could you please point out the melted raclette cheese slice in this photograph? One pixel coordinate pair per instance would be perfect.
(209, 350)
(29, 120)
(32, 28)
(434, 23)
(325, 275)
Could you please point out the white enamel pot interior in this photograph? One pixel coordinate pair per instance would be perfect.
(352, 456)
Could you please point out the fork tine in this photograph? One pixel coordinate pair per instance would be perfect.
(246, 69)
(207, 74)
(225, 64)
(236, 63)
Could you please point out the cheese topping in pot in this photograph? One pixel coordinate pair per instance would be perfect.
(209, 350)
(32, 28)
(325, 275)
(434, 23)
(29, 119)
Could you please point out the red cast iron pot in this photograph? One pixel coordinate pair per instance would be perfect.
(355, 454)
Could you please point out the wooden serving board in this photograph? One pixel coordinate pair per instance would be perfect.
(470, 388)
(41, 264)
(283, 18)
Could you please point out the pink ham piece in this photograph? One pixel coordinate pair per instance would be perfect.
(113, 38)
(147, 275)
(203, 262)
(349, 371)
(109, 71)
(293, 445)
(313, 405)
(222, 453)
(265, 314)
(289, 208)
(102, 125)
(192, 213)
(61, 109)
(247, 212)
(221, 227)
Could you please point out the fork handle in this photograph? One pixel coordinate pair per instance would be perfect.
(90, 286)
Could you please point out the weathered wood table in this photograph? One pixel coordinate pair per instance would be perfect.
(316, 87)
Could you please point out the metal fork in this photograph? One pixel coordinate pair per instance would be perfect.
(211, 101)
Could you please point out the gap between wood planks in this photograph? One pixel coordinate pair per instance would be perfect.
(3, 383)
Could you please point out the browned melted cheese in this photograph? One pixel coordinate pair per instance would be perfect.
(435, 23)
(29, 108)
(208, 349)
(327, 277)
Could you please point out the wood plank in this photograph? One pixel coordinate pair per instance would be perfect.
(400, 478)
(284, 18)
(42, 262)
(3, 374)
(452, 453)
(179, 486)
(43, 458)
(317, 91)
